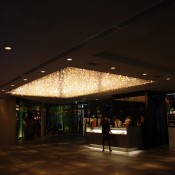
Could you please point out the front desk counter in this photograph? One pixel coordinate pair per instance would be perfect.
(128, 138)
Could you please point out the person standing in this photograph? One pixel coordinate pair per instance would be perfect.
(106, 133)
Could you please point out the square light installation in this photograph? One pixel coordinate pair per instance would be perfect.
(73, 82)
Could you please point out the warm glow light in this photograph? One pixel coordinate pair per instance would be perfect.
(74, 82)
(113, 68)
(43, 71)
(132, 99)
(8, 48)
(69, 59)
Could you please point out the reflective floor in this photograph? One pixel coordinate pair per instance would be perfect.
(63, 155)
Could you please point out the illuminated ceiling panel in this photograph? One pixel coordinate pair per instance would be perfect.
(73, 82)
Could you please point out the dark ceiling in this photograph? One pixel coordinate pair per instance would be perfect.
(134, 36)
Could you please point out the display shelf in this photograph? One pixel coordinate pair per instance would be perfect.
(122, 131)
(171, 119)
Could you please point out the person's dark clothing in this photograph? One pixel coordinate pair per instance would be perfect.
(105, 133)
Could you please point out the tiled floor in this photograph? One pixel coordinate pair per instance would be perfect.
(71, 156)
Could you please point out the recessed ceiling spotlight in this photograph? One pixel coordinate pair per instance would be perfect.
(12, 85)
(144, 74)
(8, 48)
(168, 78)
(25, 79)
(3, 90)
(69, 59)
(43, 71)
(112, 67)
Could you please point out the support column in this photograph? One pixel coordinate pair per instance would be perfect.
(7, 121)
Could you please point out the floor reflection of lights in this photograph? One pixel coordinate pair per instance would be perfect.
(118, 152)
(156, 166)
(66, 158)
(2, 153)
(169, 159)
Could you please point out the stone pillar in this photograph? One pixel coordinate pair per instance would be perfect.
(7, 121)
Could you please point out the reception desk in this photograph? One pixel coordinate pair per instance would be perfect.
(129, 137)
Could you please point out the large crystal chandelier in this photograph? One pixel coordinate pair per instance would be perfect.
(73, 82)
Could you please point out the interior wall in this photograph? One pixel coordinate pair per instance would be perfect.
(7, 121)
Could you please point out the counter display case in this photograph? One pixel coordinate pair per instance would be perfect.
(129, 137)
(122, 131)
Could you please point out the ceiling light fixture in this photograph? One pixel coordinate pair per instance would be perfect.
(69, 59)
(113, 68)
(72, 82)
(43, 71)
(144, 74)
(8, 48)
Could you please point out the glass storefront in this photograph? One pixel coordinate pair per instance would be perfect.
(28, 120)
(60, 119)
(31, 117)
